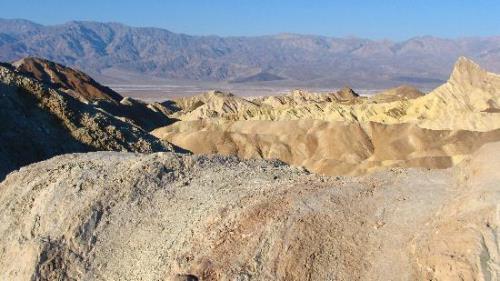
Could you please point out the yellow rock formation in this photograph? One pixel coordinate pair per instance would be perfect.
(343, 133)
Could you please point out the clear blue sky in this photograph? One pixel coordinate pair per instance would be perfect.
(390, 19)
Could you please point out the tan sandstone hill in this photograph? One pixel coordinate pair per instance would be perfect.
(300, 98)
(38, 121)
(343, 133)
(331, 148)
(404, 92)
(211, 105)
(163, 216)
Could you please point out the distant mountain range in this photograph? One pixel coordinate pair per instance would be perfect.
(116, 52)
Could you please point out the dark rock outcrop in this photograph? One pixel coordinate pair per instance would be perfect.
(38, 121)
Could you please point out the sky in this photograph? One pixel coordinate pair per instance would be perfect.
(382, 19)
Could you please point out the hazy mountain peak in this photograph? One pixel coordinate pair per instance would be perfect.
(18, 26)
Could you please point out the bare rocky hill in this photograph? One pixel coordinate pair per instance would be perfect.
(38, 121)
(78, 84)
(118, 52)
(164, 216)
(148, 116)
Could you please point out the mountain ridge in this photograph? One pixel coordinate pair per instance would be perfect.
(108, 50)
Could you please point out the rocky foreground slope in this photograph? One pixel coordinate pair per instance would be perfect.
(165, 216)
(343, 133)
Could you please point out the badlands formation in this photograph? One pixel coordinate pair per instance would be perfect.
(343, 133)
(422, 206)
